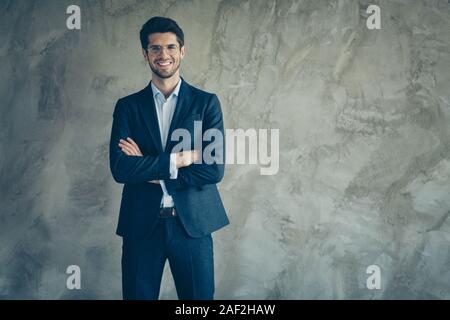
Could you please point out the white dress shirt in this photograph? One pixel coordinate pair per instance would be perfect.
(165, 109)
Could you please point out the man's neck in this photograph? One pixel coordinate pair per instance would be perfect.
(166, 86)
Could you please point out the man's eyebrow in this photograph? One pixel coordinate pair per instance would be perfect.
(170, 44)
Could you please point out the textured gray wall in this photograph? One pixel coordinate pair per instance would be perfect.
(364, 144)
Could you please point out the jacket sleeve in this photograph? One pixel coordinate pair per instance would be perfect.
(132, 169)
(197, 175)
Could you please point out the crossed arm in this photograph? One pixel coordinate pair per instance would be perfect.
(129, 165)
(182, 159)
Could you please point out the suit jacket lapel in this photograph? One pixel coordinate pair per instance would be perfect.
(181, 110)
(148, 112)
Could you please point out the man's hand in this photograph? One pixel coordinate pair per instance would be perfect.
(183, 159)
(186, 158)
(130, 148)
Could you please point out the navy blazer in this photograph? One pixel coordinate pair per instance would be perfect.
(194, 192)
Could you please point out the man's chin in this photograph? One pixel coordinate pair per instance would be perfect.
(164, 75)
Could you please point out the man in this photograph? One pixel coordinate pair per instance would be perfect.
(170, 203)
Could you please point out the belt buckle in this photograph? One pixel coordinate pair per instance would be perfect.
(167, 212)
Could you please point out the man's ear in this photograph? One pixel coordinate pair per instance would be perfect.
(183, 51)
(144, 52)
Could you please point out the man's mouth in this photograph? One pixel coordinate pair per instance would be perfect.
(164, 63)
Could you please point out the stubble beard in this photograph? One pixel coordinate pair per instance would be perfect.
(164, 75)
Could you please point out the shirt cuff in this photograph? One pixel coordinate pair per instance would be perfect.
(173, 166)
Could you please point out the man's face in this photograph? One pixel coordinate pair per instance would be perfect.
(164, 54)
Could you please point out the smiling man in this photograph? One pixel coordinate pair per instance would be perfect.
(170, 202)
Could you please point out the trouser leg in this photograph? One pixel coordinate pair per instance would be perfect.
(191, 263)
(143, 265)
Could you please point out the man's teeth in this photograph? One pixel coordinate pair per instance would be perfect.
(164, 63)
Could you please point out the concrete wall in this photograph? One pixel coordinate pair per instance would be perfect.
(364, 175)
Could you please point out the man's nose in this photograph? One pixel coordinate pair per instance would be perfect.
(163, 52)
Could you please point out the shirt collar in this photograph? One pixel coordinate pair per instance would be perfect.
(157, 93)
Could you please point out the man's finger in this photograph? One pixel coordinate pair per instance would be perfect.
(196, 156)
(129, 151)
(133, 150)
(124, 142)
(136, 152)
(193, 155)
(129, 146)
(133, 143)
(126, 151)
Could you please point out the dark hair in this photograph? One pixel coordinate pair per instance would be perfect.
(160, 24)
